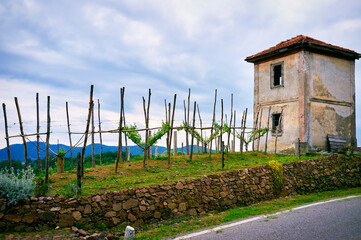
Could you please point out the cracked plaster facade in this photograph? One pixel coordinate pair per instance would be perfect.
(317, 97)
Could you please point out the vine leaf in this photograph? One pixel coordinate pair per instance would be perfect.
(137, 139)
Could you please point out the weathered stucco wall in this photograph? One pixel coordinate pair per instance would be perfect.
(331, 99)
(285, 97)
(190, 197)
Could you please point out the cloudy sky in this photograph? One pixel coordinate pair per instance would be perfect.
(60, 48)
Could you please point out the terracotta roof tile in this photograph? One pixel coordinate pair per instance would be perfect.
(297, 40)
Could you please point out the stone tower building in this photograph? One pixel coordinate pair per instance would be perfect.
(314, 83)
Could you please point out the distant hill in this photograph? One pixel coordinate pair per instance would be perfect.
(17, 150)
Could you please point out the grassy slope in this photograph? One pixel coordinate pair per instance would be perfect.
(103, 178)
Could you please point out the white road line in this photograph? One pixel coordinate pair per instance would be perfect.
(257, 218)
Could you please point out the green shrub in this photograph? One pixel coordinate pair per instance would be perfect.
(16, 186)
(277, 174)
(101, 226)
(41, 188)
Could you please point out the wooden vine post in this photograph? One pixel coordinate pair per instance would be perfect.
(22, 133)
(87, 129)
(146, 116)
(278, 127)
(169, 138)
(213, 120)
(69, 133)
(60, 163)
(259, 127)
(7, 135)
(200, 123)
(187, 140)
(230, 125)
(100, 135)
(171, 126)
(222, 154)
(193, 126)
(255, 129)
(220, 140)
(269, 114)
(150, 147)
(125, 136)
(168, 133)
(175, 148)
(234, 132)
(120, 145)
(47, 142)
(37, 134)
(92, 135)
(243, 129)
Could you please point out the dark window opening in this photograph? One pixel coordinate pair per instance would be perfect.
(277, 75)
(275, 121)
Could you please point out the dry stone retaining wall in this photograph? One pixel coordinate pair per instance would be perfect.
(190, 197)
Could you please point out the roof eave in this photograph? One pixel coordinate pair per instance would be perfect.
(307, 45)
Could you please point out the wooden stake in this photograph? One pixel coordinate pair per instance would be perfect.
(169, 138)
(150, 147)
(125, 136)
(78, 173)
(182, 149)
(168, 133)
(7, 135)
(213, 120)
(22, 133)
(241, 139)
(156, 151)
(259, 127)
(171, 124)
(47, 142)
(222, 156)
(255, 129)
(120, 144)
(197, 146)
(100, 136)
(216, 142)
(200, 123)
(243, 130)
(193, 125)
(269, 114)
(175, 148)
(37, 134)
(128, 154)
(87, 129)
(92, 135)
(187, 141)
(221, 141)
(230, 127)
(278, 127)
(69, 133)
(146, 116)
(234, 131)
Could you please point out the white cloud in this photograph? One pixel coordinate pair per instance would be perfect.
(60, 48)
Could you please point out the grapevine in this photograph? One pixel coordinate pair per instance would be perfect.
(137, 139)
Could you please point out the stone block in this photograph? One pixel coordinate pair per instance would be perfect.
(131, 203)
(66, 220)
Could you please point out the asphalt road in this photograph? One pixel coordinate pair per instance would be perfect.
(337, 219)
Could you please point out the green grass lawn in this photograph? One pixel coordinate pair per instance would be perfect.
(131, 174)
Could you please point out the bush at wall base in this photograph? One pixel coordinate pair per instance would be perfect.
(16, 186)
